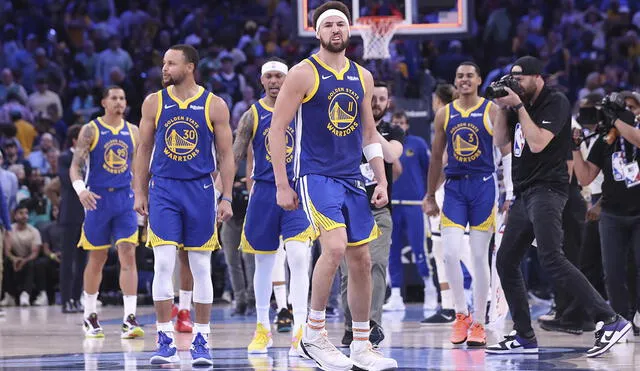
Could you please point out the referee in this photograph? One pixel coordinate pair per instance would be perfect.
(538, 123)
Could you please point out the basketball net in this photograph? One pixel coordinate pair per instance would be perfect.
(377, 33)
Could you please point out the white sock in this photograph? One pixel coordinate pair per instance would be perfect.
(298, 260)
(130, 303)
(452, 244)
(280, 292)
(202, 328)
(360, 334)
(90, 304)
(396, 292)
(438, 254)
(185, 300)
(166, 327)
(316, 323)
(262, 286)
(479, 241)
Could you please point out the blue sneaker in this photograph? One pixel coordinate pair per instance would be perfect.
(514, 344)
(167, 352)
(200, 352)
(608, 335)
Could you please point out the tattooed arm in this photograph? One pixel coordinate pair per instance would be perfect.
(77, 171)
(243, 137)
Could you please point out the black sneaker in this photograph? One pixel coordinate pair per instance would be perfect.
(608, 335)
(284, 320)
(68, 307)
(376, 335)
(441, 317)
(240, 310)
(560, 325)
(549, 316)
(348, 338)
(251, 308)
(514, 344)
(331, 312)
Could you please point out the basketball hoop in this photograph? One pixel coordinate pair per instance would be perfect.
(377, 32)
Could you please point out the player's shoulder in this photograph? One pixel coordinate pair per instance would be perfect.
(304, 67)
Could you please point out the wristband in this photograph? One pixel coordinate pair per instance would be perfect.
(79, 186)
(223, 198)
(372, 151)
(517, 106)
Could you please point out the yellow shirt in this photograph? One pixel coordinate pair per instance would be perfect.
(26, 134)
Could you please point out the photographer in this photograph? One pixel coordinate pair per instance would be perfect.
(617, 157)
(541, 137)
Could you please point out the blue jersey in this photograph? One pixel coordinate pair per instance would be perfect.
(412, 183)
(110, 155)
(469, 139)
(183, 147)
(328, 123)
(262, 167)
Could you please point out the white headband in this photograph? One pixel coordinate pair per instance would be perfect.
(274, 66)
(329, 13)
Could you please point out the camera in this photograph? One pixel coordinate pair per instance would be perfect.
(497, 88)
(602, 115)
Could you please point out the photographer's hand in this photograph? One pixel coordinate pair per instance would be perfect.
(510, 100)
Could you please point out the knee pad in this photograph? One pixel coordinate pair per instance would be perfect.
(200, 263)
(164, 261)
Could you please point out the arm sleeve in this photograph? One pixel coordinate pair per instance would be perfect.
(596, 155)
(555, 113)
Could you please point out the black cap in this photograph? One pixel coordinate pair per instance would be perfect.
(527, 65)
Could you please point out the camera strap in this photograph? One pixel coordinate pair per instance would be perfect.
(623, 148)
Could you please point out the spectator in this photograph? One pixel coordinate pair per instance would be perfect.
(231, 83)
(25, 132)
(47, 264)
(37, 158)
(114, 56)
(13, 104)
(87, 59)
(12, 157)
(9, 185)
(19, 268)
(591, 86)
(42, 98)
(39, 205)
(52, 160)
(50, 71)
(9, 85)
(5, 245)
(241, 107)
(83, 105)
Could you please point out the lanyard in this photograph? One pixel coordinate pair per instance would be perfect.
(622, 142)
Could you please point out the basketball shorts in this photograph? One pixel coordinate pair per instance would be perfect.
(332, 203)
(266, 222)
(182, 212)
(470, 199)
(113, 220)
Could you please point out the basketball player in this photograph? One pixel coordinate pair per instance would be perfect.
(265, 221)
(464, 126)
(104, 152)
(327, 158)
(179, 127)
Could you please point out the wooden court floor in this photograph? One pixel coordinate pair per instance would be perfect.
(41, 338)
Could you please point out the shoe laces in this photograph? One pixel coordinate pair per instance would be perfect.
(324, 343)
(131, 321)
(200, 344)
(460, 323)
(164, 341)
(93, 321)
(477, 329)
(261, 337)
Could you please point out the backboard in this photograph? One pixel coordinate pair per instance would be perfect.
(421, 18)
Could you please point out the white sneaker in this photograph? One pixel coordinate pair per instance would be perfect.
(8, 300)
(430, 296)
(636, 319)
(395, 304)
(24, 299)
(326, 355)
(367, 358)
(42, 299)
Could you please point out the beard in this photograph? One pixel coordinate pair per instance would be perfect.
(172, 81)
(333, 48)
(380, 113)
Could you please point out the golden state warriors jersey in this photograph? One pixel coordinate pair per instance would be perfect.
(469, 139)
(328, 123)
(183, 147)
(109, 161)
(262, 167)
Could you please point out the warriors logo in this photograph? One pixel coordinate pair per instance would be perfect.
(464, 138)
(289, 146)
(116, 153)
(343, 110)
(181, 138)
(409, 152)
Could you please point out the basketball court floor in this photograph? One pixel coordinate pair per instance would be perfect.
(41, 338)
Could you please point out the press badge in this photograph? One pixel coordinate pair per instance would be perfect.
(618, 166)
(368, 174)
(631, 174)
